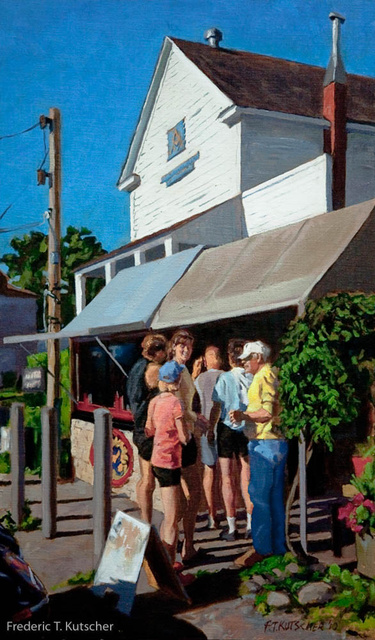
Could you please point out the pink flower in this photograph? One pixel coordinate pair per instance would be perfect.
(358, 499)
(357, 528)
(370, 505)
(345, 512)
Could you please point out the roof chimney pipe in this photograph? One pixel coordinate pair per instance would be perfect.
(213, 37)
(335, 71)
(335, 111)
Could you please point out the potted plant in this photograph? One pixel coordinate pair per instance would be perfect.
(359, 516)
(364, 452)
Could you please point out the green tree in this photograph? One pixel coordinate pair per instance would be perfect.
(27, 266)
(326, 366)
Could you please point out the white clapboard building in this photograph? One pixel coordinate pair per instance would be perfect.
(252, 188)
(230, 144)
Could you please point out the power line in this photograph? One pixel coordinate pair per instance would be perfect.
(23, 226)
(13, 135)
(20, 193)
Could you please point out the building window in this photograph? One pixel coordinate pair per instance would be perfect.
(183, 246)
(155, 253)
(176, 139)
(125, 263)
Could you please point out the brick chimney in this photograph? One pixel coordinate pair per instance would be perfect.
(334, 110)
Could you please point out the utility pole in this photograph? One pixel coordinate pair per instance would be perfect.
(53, 121)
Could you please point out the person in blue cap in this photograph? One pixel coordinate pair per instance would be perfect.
(165, 422)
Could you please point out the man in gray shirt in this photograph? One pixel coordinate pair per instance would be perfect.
(204, 384)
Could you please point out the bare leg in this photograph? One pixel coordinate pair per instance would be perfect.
(245, 479)
(145, 489)
(227, 486)
(190, 484)
(169, 528)
(209, 474)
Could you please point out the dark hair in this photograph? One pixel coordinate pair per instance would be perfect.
(152, 343)
(235, 349)
(182, 336)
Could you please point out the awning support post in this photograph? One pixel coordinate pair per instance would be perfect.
(302, 490)
(102, 479)
(49, 471)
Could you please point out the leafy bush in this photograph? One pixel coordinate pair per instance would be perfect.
(352, 605)
(5, 462)
(325, 370)
(29, 522)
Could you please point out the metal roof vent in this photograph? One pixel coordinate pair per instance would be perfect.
(213, 37)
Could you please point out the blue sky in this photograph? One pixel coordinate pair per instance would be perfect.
(94, 59)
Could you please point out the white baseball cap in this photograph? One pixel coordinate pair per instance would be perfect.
(255, 347)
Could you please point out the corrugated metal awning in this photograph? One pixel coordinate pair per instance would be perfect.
(127, 303)
(267, 271)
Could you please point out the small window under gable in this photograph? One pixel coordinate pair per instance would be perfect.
(176, 139)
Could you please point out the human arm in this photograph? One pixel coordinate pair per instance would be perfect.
(262, 415)
(197, 367)
(214, 419)
(150, 427)
(183, 433)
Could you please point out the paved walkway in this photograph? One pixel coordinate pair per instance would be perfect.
(214, 614)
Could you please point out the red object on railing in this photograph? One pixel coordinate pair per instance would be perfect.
(117, 411)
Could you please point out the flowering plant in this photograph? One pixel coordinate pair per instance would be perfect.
(359, 513)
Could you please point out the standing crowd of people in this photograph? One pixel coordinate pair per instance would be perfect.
(221, 419)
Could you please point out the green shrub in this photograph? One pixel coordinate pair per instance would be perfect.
(325, 370)
(5, 462)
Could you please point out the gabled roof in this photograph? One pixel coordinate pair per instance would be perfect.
(256, 81)
(263, 82)
(10, 291)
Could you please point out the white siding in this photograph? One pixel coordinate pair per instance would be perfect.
(296, 195)
(360, 168)
(185, 93)
(272, 146)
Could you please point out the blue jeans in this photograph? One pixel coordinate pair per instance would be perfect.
(266, 488)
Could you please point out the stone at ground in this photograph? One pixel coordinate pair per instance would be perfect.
(278, 599)
(277, 572)
(251, 587)
(315, 593)
(292, 568)
(259, 580)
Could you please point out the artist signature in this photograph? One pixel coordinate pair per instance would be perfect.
(274, 626)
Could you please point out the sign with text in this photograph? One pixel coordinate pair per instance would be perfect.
(33, 380)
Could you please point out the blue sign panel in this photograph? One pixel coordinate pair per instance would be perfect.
(181, 171)
(176, 139)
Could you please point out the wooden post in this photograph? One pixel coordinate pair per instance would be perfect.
(49, 471)
(102, 479)
(302, 490)
(17, 461)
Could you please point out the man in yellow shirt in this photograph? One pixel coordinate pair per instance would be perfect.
(268, 454)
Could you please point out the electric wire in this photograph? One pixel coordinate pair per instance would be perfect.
(19, 133)
(22, 226)
(46, 150)
(20, 193)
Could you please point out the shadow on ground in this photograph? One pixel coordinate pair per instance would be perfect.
(79, 613)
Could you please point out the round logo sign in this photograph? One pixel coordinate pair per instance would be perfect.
(122, 458)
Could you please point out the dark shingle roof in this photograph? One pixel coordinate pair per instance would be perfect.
(263, 82)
